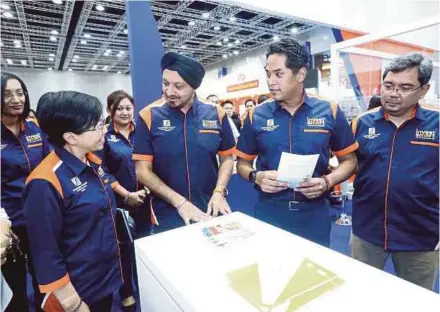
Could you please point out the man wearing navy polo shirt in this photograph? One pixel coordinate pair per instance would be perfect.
(295, 123)
(396, 197)
(178, 139)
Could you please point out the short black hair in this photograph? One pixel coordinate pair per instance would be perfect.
(374, 102)
(211, 95)
(27, 103)
(296, 56)
(226, 102)
(262, 98)
(249, 100)
(67, 111)
(413, 60)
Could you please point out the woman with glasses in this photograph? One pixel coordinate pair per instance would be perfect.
(117, 157)
(22, 147)
(70, 209)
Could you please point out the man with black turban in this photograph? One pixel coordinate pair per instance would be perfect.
(178, 138)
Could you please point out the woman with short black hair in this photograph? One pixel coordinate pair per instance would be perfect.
(70, 208)
(23, 146)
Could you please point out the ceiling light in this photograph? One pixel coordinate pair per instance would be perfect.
(23, 62)
(51, 59)
(83, 41)
(105, 67)
(99, 7)
(122, 52)
(232, 18)
(18, 46)
(51, 54)
(225, 39)
(17, 42)
(9, 61)
(74, 61)
(1, 44)
(53, 38)
(205, 15)
(119, 72)
(294, 30)
(230, 45)
(50, 68)
(57, 1)
(217, 28)
(87, 36)
(237, 41)
(8, 14)
(276, 38)
(75, 56)
(218, 43)
(94, 67)
(235, 52)
(225, 56)
(54, 32)
(5, 6)
(183, 46)
(191, 23)
(70, 69)
(125, 31)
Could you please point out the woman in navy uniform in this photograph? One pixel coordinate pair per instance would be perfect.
(70, 209)
(23, 147)
(117, 157)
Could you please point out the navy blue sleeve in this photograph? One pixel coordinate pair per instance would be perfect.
(247, 143)
(227, 143)
(42, 206)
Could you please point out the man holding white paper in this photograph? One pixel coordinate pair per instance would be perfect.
(294, 124)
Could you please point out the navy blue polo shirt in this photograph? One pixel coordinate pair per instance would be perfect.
(317, 127)
(396, 190)
(20, 155)
(117, 158)
(183, 149)
(70, 213)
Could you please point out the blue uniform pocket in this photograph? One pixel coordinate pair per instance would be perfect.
(209, 140)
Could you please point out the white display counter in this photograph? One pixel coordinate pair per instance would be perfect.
(263, 269)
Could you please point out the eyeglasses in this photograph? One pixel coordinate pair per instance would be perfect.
(100, 126)
(404, 90)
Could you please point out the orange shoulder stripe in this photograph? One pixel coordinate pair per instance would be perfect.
(145, 113)
(46, 171)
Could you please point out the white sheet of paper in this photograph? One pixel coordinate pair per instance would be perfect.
(294, 168)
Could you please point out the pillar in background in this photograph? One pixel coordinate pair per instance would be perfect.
(146, 50)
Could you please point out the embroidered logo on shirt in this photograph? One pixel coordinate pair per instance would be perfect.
(166, 126)
(209, 123)
(315, 122)
(425, 134)
(80, 187)
(2, 146)
(371, 134)
(101, 172)
(270, 125)
(113, 138)
(33, 138)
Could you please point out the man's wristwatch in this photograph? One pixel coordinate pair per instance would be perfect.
(222, 191)
(253, 176)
